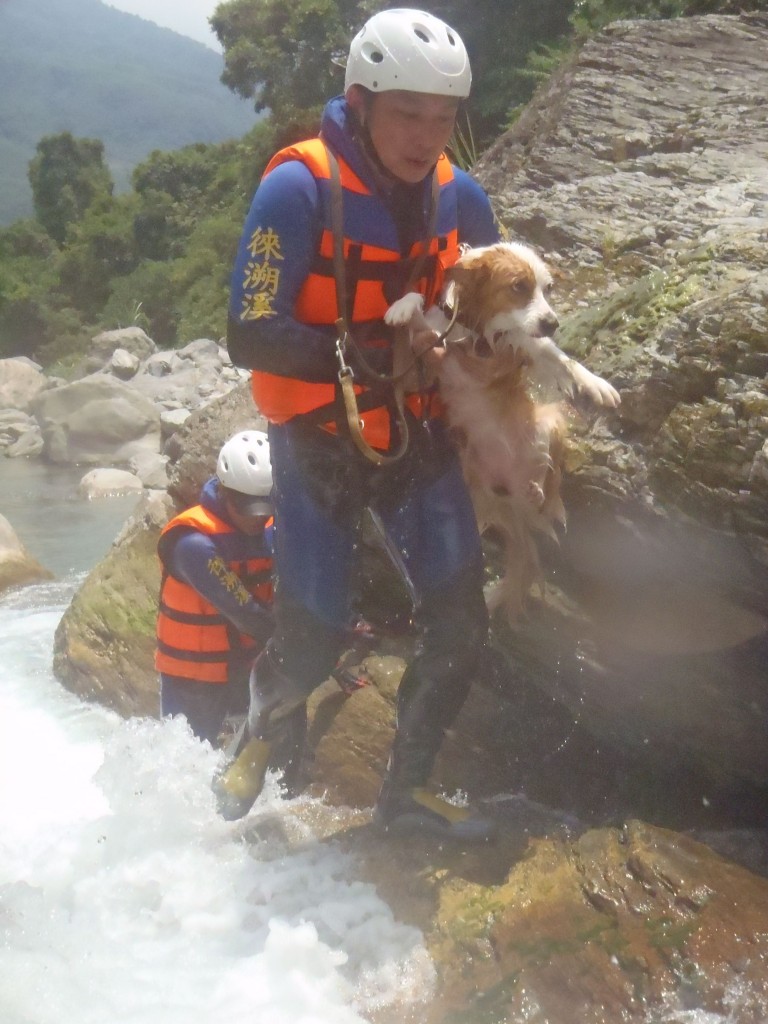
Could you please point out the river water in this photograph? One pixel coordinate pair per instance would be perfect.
(124, 899)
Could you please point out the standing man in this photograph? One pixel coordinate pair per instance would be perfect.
(339, 228)
(216, 592)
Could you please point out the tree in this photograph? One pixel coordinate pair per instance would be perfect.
(27, 280)
(501, 37)
(176, 191)
(281, 54)
(98, 248)
(67, 175)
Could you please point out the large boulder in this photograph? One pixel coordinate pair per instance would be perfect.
(96, 420)
(19, 434)
(642, 179)
(21, 381)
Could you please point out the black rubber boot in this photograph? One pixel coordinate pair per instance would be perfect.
(273, 701)
(289, 752)
(429, 699)
(413, 812)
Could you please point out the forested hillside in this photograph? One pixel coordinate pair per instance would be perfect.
(83, 67)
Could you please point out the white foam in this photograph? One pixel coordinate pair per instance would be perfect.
(125, 898)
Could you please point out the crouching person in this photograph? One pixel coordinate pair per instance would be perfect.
(216, 592)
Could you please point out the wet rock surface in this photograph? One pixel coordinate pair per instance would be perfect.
(17, 566)
(639, 171)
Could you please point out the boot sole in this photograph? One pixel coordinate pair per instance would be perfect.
(413, 824)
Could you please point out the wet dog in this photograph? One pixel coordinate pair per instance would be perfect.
(497, 321)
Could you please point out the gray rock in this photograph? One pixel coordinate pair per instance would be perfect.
(203, 351)
(17, 566)
(109, 483)
(20, 381)
(27, 445)
(95, 420)
(131, 339)
(160, 364)
(124, 364)
(171, 420)
(150, 468)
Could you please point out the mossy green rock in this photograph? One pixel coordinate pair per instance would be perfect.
(105, 643)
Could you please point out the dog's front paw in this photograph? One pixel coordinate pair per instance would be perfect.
(594, 387)
(404, 310)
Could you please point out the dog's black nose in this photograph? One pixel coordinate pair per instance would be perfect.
(549, 324)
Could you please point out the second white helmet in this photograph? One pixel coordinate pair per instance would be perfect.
(244, 467)
(408, 49)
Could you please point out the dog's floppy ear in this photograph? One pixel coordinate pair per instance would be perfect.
(457, 273)
(462, 274)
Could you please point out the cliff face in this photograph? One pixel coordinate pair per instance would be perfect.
(641, 173)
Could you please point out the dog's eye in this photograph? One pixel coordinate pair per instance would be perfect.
(548, 288)
(518, 287)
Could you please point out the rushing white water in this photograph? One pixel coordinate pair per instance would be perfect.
(125, 898)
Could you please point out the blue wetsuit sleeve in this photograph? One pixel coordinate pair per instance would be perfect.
(196, 560)
(477, 223)
(278, 244)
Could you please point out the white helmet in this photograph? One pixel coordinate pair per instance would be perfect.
(244, 468)
(408, 49)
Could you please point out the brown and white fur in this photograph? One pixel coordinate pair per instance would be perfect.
(497, 353)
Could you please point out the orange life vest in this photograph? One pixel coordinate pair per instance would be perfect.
(194, 641)
(374, 264)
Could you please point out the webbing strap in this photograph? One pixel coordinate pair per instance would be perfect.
(346, 378)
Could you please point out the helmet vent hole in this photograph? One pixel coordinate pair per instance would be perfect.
(252, 458)
(451, 39)
(422, 35)
(372, 53)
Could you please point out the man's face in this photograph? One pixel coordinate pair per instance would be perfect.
(409, 131)
(250, 525)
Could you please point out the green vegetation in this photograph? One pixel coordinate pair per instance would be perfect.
(160, 254)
